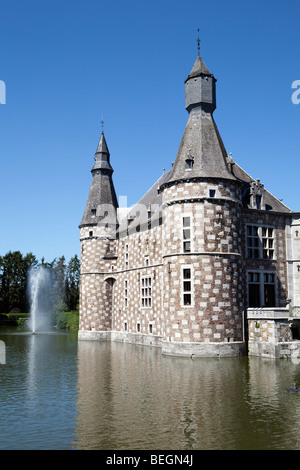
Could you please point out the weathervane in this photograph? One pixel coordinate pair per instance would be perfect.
(198, 41)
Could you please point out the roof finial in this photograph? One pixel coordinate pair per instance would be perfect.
(102, 124)
(198, 41)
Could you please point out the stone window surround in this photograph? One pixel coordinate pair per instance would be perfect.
(146, 291)
(260, 247)
(186, 215)
(191, 268)
(126, 256)
(261, 271)
(125, 293)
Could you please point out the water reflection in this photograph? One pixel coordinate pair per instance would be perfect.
(38, 392)
(132, 397)
(58, 393)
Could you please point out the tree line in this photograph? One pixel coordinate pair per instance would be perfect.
(14, 282)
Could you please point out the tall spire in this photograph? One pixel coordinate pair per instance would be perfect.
(102, 195)
(102, 155)
(201, 153)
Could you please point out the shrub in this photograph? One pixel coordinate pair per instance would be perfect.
(67, 320)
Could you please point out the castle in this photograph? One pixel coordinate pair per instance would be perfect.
(207, 263)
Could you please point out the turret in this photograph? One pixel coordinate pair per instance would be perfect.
(102, 201)
(98, 247)
(202, 250)
(201, 153)
(200, 87)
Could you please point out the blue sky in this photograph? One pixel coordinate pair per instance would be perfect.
(68, 64)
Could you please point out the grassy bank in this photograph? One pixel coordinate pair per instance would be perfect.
(62, 320)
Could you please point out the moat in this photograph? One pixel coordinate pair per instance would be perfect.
(58, 393)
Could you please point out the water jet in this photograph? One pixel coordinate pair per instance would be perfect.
(39, 284)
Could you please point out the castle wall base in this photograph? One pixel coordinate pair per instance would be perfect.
(227, 349)
(272, 331)
(288, 350)
(89, 335)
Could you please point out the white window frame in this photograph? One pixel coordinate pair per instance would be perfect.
(183, 228)
(183, 283)
(146, 291)
(263, 237)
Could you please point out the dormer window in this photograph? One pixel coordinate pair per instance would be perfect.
(93, 212)
(189, 162)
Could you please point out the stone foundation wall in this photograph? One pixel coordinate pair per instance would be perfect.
(191, 350)
(270, 333)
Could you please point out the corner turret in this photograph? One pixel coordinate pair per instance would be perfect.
(102, 196)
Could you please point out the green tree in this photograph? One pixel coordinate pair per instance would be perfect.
(72, 283)
(58, 268)
(13, 280)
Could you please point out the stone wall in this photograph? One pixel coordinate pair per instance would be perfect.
(215, 314)
(270, 333)
(278, 264)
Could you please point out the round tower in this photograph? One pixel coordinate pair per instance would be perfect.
(97, 237)
(202, 235)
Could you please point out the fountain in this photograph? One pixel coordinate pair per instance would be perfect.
(39, 283)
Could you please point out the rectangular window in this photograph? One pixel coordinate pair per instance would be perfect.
(138, 327)
(186, 234)
(268, 243)
(252, 242)
(125, 293)
(261, 289)
(187, 287)
(260, 242)
(269, 289)
(149, 218)
(254, 289)
(126, 257)
(146, 292)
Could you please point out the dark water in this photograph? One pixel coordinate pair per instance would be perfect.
(57, 393)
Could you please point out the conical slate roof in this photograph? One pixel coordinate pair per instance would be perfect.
(201, 152)
(202, 144)
(102, 196)
(102, 156)
(199, 68)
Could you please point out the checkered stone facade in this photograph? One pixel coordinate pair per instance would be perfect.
(180, 269)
